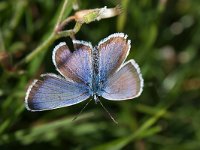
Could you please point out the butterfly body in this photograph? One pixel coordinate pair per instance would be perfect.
(95, 78)
(89, 71)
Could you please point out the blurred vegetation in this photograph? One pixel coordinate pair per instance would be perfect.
(165, 43)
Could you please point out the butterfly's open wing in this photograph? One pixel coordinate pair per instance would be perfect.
(52, 91)
(127, 83)
(113, 51)
(76, 66)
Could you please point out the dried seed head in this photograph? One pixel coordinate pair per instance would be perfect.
(87, 16)
(109, 12)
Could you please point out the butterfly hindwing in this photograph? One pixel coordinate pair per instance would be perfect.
(127, 83)
(52, 91)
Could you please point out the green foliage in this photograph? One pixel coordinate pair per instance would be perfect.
(165, 43)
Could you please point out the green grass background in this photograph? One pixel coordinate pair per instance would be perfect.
(165, 37)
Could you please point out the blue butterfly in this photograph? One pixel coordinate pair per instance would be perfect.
(87, 72)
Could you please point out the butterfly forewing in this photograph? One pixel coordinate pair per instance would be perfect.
(76, 66)
(52, 91)
(113, 51)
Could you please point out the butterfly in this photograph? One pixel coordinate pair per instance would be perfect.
(99, 71)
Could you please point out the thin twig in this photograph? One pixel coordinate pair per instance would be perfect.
(64, 23)
(70, 32)
(61, 13)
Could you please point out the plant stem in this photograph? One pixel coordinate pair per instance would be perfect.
(49, 40)
(87, 16)
(36, 51)
(2, 45)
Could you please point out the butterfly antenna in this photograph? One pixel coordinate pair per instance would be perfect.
(82, 110)
(108, 112)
